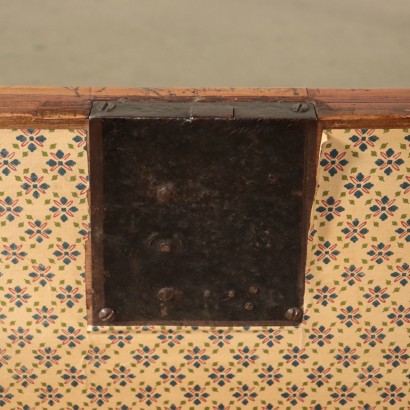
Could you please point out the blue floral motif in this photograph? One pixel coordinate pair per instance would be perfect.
(71, 337)
(47, 357)
(321, 336)
(21, 336)
(320, 376)
(122, 376)
(83, 185)
(245, 394)
(197, 394)
(120, 338)
(349, 316)
(99, 395)
(24, 376)
(406, 185)
(294, 394)
(7, 163)
(10, 208)
(330, 208)
(246, 356)
(389, 161)
(69, 295)
(295, 356)
(405, 231)
(334, 162)
(384, 208)
(96, 356)
(352, 275)
(4, 358)
(403, 274)
(359, 185)
(363, 138)
(61, 163)
(173, 376)
(5, 396)
(73, 376)
(347, 356)
(146, 356)
(38, 230)
(81, 140)
(35, 185)
(355, 230)
(220, 375)
(63, 209)
(270, 337)
(380, 253)
(45, 316)
(196, 357)
(370, 376)
(18, 296)
(14, 253)
(270, 375)
(373, 336)
(376, 296)
(42, 275)
(396, 356)
(31, 139)
(400, 315)
(327, 252)
(325, 295)
(66, 253)
(170, 337)
(148, 395)
(393, 394)
(343, 395)
(220, 337)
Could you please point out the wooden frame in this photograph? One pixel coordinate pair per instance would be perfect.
(69, 107)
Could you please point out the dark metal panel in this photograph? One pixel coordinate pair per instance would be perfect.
(237, 110)
(202, 220)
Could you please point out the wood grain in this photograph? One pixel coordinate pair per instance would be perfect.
(69, 107)
(359, 95)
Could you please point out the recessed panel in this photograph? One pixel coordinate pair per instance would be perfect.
(201, 219)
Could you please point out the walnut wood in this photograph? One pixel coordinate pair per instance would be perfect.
(69, 107)
(363, 95)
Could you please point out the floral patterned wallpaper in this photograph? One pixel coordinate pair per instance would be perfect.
(352, 350)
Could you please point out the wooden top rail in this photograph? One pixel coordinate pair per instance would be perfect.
(69, 107)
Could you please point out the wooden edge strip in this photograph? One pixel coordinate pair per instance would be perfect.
(363, 95)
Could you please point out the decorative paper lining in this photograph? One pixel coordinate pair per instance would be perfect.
(352, 351)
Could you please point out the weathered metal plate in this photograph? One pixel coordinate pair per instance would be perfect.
(200, 220)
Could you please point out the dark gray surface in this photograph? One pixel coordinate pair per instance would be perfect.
(263, 43)
(233, 219)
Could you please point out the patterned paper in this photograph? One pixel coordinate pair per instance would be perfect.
(352, 351)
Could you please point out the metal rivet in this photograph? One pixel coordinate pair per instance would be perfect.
(165, 294)
(300, 107)
(231, 294)
(293, 314)
(253, 290)
(149, 242)
(106, 106)
(164, 247)
(207, 293)
(164, 194)
(106, 314)
(249, 306)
